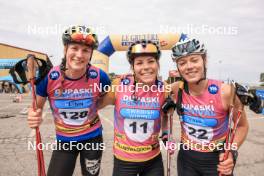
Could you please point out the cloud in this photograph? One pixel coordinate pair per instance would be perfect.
(240, 52)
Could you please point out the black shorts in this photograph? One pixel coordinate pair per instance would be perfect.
(194, 163)
(153, 167)
(63, 160)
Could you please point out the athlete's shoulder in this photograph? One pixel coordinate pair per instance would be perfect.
(226, 89)
(57, 67)
(101, 71)
(103, 74)
(54, 73)
(226, 94)
(92, 67)
(215, 81)
(217, 86)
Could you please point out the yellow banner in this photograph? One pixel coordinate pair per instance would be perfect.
(122, 42)
(100, 60)
(165, 41)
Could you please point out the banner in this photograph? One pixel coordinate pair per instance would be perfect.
(114, 43)
(260, 93)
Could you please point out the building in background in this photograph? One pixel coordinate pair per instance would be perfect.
(9, 56)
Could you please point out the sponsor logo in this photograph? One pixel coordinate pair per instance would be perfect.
(125, 81)
(93, 74)
(213, 89)
(54, 75)
(92, 166)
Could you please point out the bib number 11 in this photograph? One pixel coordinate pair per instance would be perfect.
(144, 126)
(138, 130)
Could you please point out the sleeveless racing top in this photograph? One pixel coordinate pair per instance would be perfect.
(137, 121)
(204, 121)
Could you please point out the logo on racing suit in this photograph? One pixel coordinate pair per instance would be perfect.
(93, 74)
(159, 84)
(139, 122)
(92, 166)
(125, 81)
(54, 75)
(213, 89)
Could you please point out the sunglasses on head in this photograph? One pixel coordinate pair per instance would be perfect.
(184, 48)
(82, 37)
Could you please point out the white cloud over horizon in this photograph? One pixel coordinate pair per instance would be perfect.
(237, 56)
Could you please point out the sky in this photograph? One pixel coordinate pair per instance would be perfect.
(231, 30)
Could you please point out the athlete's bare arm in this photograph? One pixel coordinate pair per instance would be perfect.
(226, 166)
(243, 126)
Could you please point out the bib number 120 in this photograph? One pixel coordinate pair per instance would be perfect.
(74, 115)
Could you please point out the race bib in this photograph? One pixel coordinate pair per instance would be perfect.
(198, 133)
(138, 130)
(74, 116)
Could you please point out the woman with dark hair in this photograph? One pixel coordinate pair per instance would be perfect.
(203, 107)
(70, 89)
